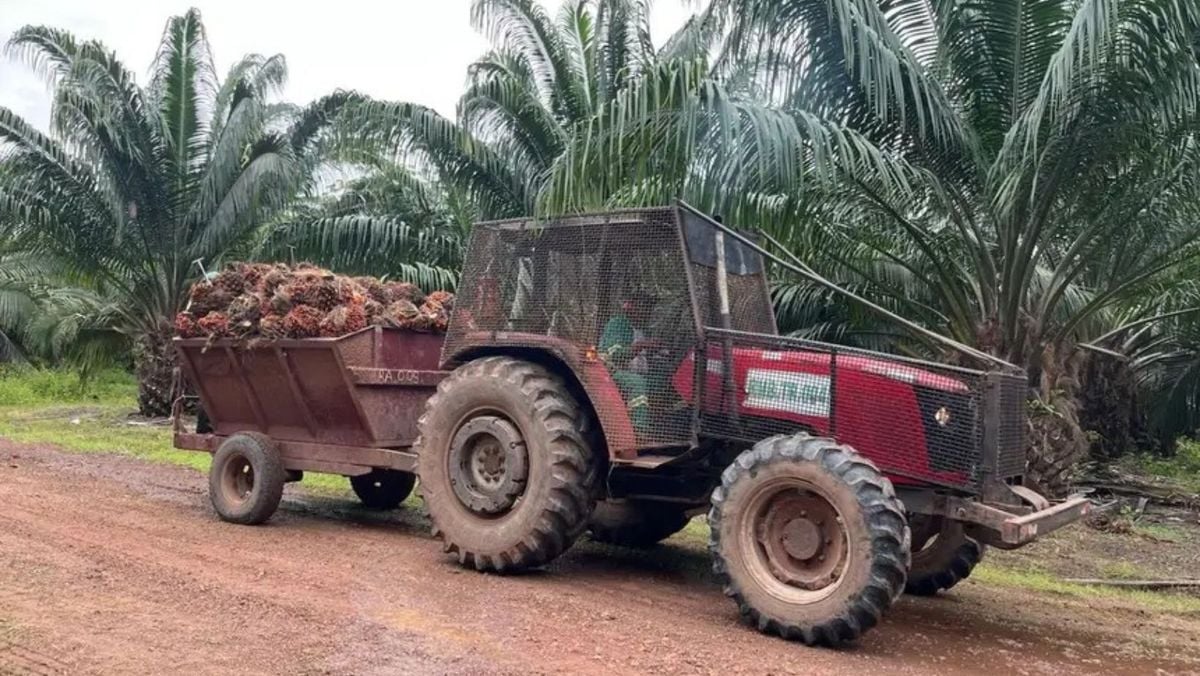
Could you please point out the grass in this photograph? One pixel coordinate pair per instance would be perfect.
(93, 416)
(1035, 580)
(1183, 468)
(26, 386)
(1160, 532)
(1122, 570)
(107, 429)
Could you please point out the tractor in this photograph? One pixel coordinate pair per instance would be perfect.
(620, 373)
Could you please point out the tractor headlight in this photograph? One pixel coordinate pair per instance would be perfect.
(942, 416)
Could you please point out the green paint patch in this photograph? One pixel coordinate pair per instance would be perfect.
(1034, 580)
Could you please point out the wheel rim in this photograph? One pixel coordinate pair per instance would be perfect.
(796, 540)
(237, 479)
(488, 464)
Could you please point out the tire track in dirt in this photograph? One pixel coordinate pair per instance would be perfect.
(108, 564)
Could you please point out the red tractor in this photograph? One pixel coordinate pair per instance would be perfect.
(624, 372)
(621, 373)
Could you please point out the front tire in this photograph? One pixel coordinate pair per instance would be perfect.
(245, 482)
(942, 555)
(383, 489)
(505, 470)
(809, 539)
(636, 525)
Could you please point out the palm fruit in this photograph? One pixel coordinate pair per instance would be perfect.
(373, 288)
(281, 302)
(273, 279)
(185, 325)
(245, 308)
(271, 326)
(207, 298)
(303, 321)
(399, 314)
(214, 324)
(372, 309)
(344, 320)
(230, 280)
(398, 291)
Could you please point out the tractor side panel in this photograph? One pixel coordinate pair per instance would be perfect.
(918, 421)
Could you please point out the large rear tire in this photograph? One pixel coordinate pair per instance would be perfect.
(245, 482)
(809, 539)
(504, 466)
(635, 524)
(942, 555)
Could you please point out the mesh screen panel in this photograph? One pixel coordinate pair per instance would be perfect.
(749, 300)
(1011, 446)
(610, 289)
(913, 419)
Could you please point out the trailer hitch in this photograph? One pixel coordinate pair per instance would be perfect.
(1001, 525)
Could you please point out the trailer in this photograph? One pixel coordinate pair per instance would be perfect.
(617, 374)
(345, 406)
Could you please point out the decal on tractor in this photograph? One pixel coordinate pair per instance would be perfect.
(791, 392)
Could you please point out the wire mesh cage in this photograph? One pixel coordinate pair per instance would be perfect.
(609, 289)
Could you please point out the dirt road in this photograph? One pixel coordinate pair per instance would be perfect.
(111, 565)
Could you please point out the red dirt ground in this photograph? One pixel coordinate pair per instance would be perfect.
(112, 565)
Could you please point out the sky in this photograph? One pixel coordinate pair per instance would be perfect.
(409, 50)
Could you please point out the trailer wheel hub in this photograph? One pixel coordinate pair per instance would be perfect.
(800, 536)
(488, 465)
(237, 479)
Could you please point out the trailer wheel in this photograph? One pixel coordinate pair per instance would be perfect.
(809, 539)
(505, 469)
(637, 525)
(383, 489)
(245, 482)
(942, 555)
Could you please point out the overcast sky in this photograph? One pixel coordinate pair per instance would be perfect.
(412, 50)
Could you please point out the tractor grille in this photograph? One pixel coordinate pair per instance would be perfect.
(917, 420)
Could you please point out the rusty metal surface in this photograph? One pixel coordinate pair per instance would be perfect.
(309, 390)
(298, 455)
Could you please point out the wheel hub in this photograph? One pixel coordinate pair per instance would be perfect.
(488, 465)
(237, 480)
(801, 539)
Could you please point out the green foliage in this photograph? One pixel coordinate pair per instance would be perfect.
(1002, 576)
(28, 386)
(134, 183)
(1182, 468)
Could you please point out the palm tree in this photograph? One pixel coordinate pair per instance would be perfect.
(136, 183)
(46, 318)
(526, 99)
(1003, 173)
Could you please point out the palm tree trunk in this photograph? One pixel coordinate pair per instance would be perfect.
(1056, 439)
(154, 365)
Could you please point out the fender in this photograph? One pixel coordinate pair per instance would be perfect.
(590, 381)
